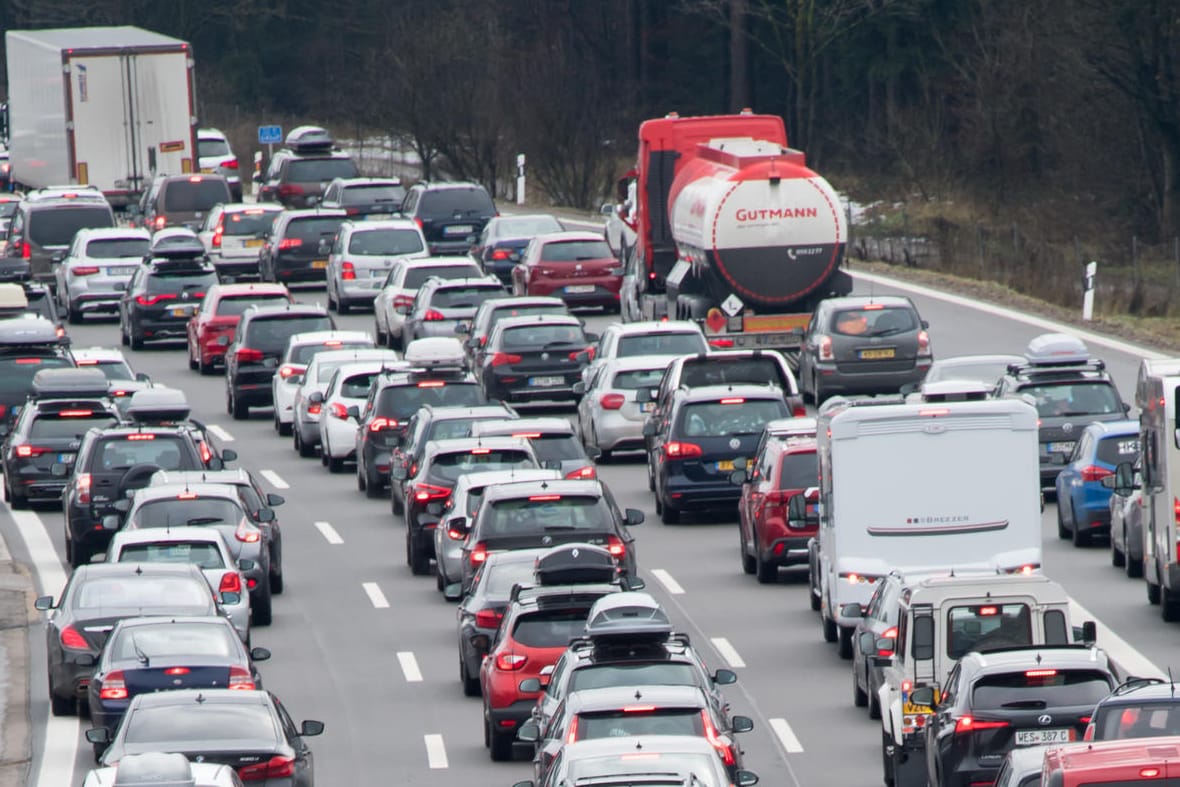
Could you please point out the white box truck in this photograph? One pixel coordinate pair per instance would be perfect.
(106, 106)
(921, 484)
(1159, 440)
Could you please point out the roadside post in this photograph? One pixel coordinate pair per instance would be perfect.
(1088, 291)
(519, 178)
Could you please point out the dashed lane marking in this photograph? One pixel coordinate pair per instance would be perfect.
(436, 751)
(329, 533)
(728, 652)
(220, 433)
(375, 595)
(409, 666)
(670, 584)
(786, 736)
(275, 479)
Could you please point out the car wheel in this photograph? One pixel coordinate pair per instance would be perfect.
(373, 488)
(74, 314)
(669, 515)
(335, 465)
(831, 632)
(499, 745)
(16, 502)
(748, 563)
(1169, 605)
(283, 429)
(419, 563)
(238, 410)
(395, 341)
(1134, 568)
(342, 306)
(1062, 532)
(1081, 538)
(817, 392)
(813, 592)
(1153, 593)
(381, 336)
(1117, 557)
(276, 581)
(331, 300)
(123, 335)
(845, 647)
(470, 685)
(767, 571)
(361, 486)
(323, 460)
(651, 477)
(260, 611)
(193, 365)
(136, 341)
(61, 706)
(80, 555)
(887, 760)
(874, 703)
(859, 697)
(306, 451)
(440, 582)
(396, 504)
(203, 367)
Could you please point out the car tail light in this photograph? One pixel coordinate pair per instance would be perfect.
(588, 350)
(721, 344)
(113, 687)
(583, 472)
(775, 505)
(854, 578)
(501, 254)
(510, 661)
(433, 315)
(1095, 473)
(1149, 773)
(967, 724)
(678, 450)
(573, 733)
(231, 582)
(923, 343)
(248, 355)
(380, 424)
(152, 300)
(427, 492)
(1040, 673)
(218, 231)
(240, 679)
(84, 270)
(72, 640)
(403, 300)
(799, 411)
(725, 750)
(347, 271)
(247, 533)
(479, 553)
(160, 222)
(337, 410)
(287, 370)
(488, 618)
(25, 450)
(612, 401)
(616, 547)
(277, 767)
(419, 222)
(290, 190)
(313, 409)
(83, 486)
(889, 633)
(825, 348)
(231, 164)
(141, 436)
(26, 251)
(503, 359)
(290, 243)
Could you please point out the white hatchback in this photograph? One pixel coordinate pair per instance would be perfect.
(401, 287)
(309, 395)
(301, 348)
(349, 387)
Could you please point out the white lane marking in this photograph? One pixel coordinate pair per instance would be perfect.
(436, 751)
(375, 595)
(728, 652)
(329, 533)
(61, 734)
(409, 666)
(670, 584)
(1130, 661)
(220, 433)
(1009, 314)
(274, 478)
(786, 736)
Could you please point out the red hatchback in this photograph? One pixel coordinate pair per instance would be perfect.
(785, 464)
(218, 316)
(577, 267)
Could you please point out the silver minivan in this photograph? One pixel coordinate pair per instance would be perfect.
(361, 256)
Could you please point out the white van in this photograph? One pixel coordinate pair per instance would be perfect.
(928, 483)
(1155, 396)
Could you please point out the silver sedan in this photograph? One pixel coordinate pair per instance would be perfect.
(609, 417)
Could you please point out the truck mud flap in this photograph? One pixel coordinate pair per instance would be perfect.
(909, 766)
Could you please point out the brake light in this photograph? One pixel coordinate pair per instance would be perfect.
(233, 164)
(923, 343)
(612, 401)
(501, 254)
(141, 436)
(336, 410)
(1149, 773)
(26, 251)
(479, 553)
(503, 359)
(573, 733)
(965, 724)
(217, 233)
(418, 221)
(277, 767)
(488, 618)
(616, 547)
(858, 579)
(711, 735)
(433, 315)
(231, 582)
(152, 300)
(240, 679)
(426, 492)
(247, 533)
(25, 450)
(510, 661)
(290, 243)
(403, 300)
(287, 370)
(160, 222)
(177, 671)
(799, 411)
(75, 413)
(1040, 673)
(72, 640)
(480, 451)
(988, 611)
(1095, 473)
(347, 271)
(248, 355)
(84, 270)
(379, 424)
(679, 450)
(290, 190)
(113, 687)
(583, 472)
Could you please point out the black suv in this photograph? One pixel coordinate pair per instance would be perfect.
(44, 225)
(27, 345)
(535, 357)
(1139, 708)
(166, 290)
(393, 398)
(451, 215)
(1029, 696)
(1069, 389)
(66, 404)
(252, 358)
(296, 174)
(365, 197)
(298, 246)
(182, 200)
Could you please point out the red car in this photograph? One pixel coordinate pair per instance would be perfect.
(577, 267)
(785, 464)
(218, 316)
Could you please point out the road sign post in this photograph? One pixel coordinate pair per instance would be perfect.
(519, 178)
(270, 136)
(1088, 291)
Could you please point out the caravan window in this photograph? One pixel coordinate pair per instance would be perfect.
(923, 637)
(987, 627)
(1055, 630)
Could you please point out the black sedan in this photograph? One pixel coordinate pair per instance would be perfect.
(96, 598)
(535, 358)
(145, 655)
(248, 730)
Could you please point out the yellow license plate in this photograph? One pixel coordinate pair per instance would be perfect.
(725, 466)
(206, 171)
(319, 263)
(181, 312)
(253, 243)
(876, 355)
(910, 709)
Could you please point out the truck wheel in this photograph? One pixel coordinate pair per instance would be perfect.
(831, 632)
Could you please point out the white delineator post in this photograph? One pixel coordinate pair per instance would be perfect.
(519, 178)
(1088, 291)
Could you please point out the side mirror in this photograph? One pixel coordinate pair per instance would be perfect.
(85, 660)
(223, 341)
(229, 455)
(725, 677)
(143, 377)
(1108, 482)
(1089, 632)
(1124, 479)
(746, 778)
(925, 325)
(111, 521)
(401, 309)
(458, 524)
(529, 732)
(259, 654)
(851, 611)
(57, 257)
(453, 591)
(246, 565)
(582, 357)
(632, 583)
(633, 516)
(98, 735)
(98, 557)
(122, 506)
(579, 386)
(923, 695)
(399, 472)
(798, 513)
(229, 598)
(353, 411)
(462, 328)
(607, 209)
(471, 343)
(650, 428)
(645, 395)
(316, 398)
(265, 515)
(524, 784)
(1126, 409)
(738, 477)
(274, 500)
(309, 728)
(742, 724)
(592, 337)
(866, 643)
(44, 603)
(434, 509)
(215, 464)
(530, 685)
(594, 452)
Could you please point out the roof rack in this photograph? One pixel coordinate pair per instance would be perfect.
(158, 406)
(70, 383)
(1133, 683)
(439, 352)
(792, 427)
(29, 331)
(953, 391)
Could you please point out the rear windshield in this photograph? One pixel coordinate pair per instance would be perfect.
(1114, 450)
(637, 378)
(504, 575)
(799, 471)
(550, 629)
(16, 373)
(722, 418)
(527, 227)
(369, 195)
(171, 512)
(52, 426)
(176, 283)
(1141, 720)
(187, 196)
(357, 386)
(1063, 400)
(120, 453)
(8, 209)
(641, 721)
(886, 321)
(304, 353)
(539, 336)
(114, 370)
(465, 297)
(448, 467)
(605, 676)
(173, 639)
(522, 311)
(117, 248)
(199, 553)
(575, 251)
(320, 169)
(271, 334)
(417, 275)
(207, 148)
(216, 722)
(546, 513)
(311, 229)
(1038, 689)
(374, 242)
(676, 768)
(254, 221)
(451, 428)
(456, 203)
(234, 305)
(987, 627)
(557, 448)
(402, 401)
(662, 344)
(58, 226)
(716, 370)
(142, 591)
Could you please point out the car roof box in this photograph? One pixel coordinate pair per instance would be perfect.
(28, 330)
(1056, 349)
(575, 564)
(158, 405)
(154, 769)
(954, 391)
(308, 138)
(630, 616)
(13, 298)
(70, 383)
(438, 352)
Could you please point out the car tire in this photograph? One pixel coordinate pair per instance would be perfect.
(192, 364)
(1153, 593)
(80, 555)
(470, 685)
(817, 392)
(418, 562)
(335, 465)
(748, 561)
(669, 515)
(887, 772)
(382, 338)
(136, 341)
(1062, 532)
(306, 451)
(61, 706)
(260, 605)
(767, 571)
(331, 300)
(361, 484)
(342, 306)
(74, 315)
(123, 336)
(373, 488)
(815, 601)
(239, 411)
(202, 367)
(845, 646)
(860, 698)
(1169, 605)
(1134, 568)
(1081, 538)
(398, 505)
(831, 630)
(874, 703)
(499, 745)
(440, 582)
(276, 582)
(283, 429)
(1118, 558)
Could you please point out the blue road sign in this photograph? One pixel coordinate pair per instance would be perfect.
(270, 135)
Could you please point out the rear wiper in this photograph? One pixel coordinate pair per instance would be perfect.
(139, 654)
(204, 520)
(888, 331)
(463, 305)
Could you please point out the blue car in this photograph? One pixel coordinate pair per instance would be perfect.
(1083, 503)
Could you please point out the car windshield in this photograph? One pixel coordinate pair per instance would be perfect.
(1064, 400)
(1038, 689)
(252, 221)
(234, 305)
(402, 401)
(1144, 719)
(209, 722)
(527, 226)
(117, 248)
(536, 337)
(58, 226)
(199, 553)
(417, 275)
(456, 203)
(799, 470)
(167, 283)
(126, 451)
(144, 590)
(557, 448)
(16, 372)
(575, 251)
(173, 512)
(385, 242)
(56, 426)
(173, 639)
(550, 628)
(635, 379)
(545, 513)
(311, 229)
(208, 148)
(372, 194)
(448, 467)
(605, 676)
(113, 369)
(464, 297)
(320, 169)
(305, 352)
(271, 334)
(987, 627)
(1117, 449)
(661, 344)
(874, 321)
(356, 386)
(644, 720)
(733, 416)
(716, 369)
(193, 196)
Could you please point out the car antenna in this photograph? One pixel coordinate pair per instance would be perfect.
(638, 694)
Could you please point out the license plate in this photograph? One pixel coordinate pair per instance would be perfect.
(319, 264)
(546, 382)
(252, 243)
(647, 407)
(876, 354)
(206, 170)
(121, 271)
(910, 709)
(1061, 448)
(379, 216)
(725, 466)
(580, 288)
(181, 312)
(1039, 737)
(378, 273)
(66, 459)
(465, 229)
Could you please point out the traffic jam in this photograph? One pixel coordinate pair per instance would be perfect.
(512, 362)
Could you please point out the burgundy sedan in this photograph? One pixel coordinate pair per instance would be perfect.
(577, 267)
